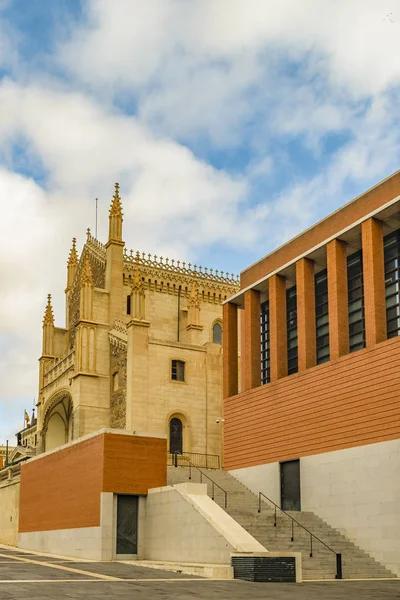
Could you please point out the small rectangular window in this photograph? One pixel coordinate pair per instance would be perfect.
(392, 283)
(322, 316)
(128, 305)
(178, 370)
(291, 324)
(264, 332)
(356, 301)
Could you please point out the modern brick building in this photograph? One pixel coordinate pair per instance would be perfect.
(315, 423)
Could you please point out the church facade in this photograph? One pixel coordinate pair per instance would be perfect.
(141, 349)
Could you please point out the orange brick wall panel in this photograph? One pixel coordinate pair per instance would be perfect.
(252, 343)
(133, 465)
(277, 336)
(336, 259)
(351, 402)
(62, 490)
(359, 208)
(230, 350)
(305, 289)
(374, 282)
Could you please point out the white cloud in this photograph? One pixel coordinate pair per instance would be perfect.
(207, 67)
(246, 76)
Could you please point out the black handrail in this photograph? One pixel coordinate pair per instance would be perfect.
(207, 461)
(214, 483)
(338, 555)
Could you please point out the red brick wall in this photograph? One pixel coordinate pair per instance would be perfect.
(230, 350)
(374, 282)
(133, 464)
(62, 490)
(251, 343)
(350, 402)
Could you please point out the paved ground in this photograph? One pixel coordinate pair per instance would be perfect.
(30, 576)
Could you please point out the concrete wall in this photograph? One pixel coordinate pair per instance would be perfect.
(356, 491)
(9, 511)
(184, 525)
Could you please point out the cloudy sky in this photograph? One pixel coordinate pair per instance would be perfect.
(231, 125)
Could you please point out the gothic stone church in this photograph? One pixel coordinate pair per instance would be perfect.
(141, 349)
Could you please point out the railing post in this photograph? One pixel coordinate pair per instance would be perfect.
(259, 502)
(275, 518)
(292, 530)
(310, 545)
(226, 499)
(212, 491)
(190, 471)
(339, 574)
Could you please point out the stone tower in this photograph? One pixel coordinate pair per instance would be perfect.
(141, 349)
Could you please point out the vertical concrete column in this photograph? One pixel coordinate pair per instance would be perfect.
(374, 282)
(252, 340)
(337, 299)
(278, 332)
(230, 349)
(305, 289)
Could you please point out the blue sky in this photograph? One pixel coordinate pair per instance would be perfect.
(231, 126)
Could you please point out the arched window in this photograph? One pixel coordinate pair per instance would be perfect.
(175, 436)
(217, 333)
(178, 370)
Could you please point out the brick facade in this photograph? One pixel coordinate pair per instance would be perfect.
(305, 285)
(350, 402)
(61, 490)
(278, 341)
(230, 350)
(374, 282)
(251, 342)
(337, 298)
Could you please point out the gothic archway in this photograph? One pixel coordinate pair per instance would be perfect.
(57, 426)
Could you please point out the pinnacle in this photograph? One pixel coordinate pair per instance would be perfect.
(194, 299)
(116, 206)
(73, 255)
(87, 277)
(48, 318)
(137, 283)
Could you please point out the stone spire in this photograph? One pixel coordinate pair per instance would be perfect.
(86, 291)
(72, 265)
(48, 330)
(115, 218)
(48, 318)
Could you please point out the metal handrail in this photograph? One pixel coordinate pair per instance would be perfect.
(338, 555)
(214, 483)
(209, 459)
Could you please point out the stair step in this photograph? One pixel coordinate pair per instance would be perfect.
(243, 507)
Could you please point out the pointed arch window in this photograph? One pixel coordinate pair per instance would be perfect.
(217, 333)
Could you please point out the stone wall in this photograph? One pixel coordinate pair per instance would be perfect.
(118, 358)
(9, 509)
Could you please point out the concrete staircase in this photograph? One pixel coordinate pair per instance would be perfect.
(243, 507)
